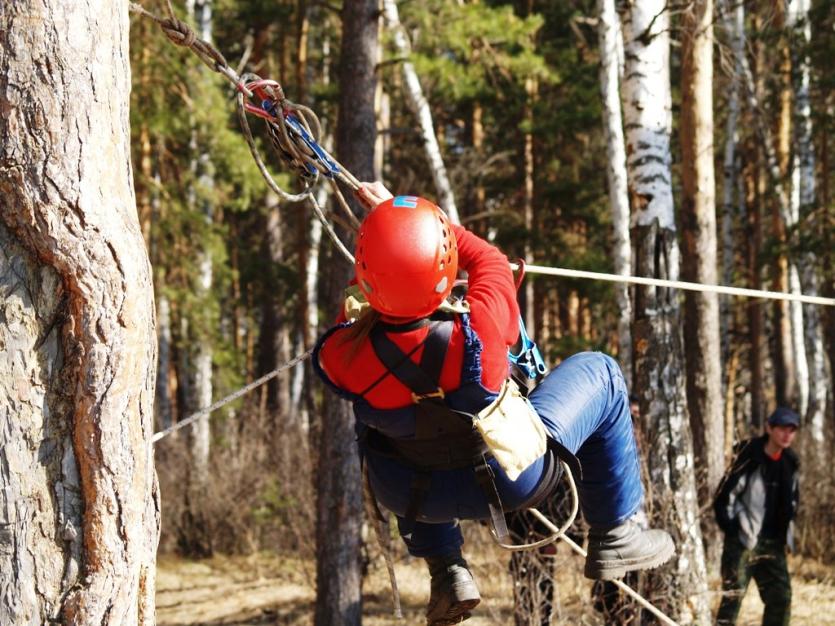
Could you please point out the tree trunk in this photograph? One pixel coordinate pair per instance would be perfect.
(610, 40)
(79, 511)
(658, 367)
(734, 24)
(754, 306)
(528, 162)
(339, 493)
(195, 537)
(698, 215)
(420, 108)
(803, 209)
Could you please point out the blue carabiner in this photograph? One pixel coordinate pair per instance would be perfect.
(529, 359)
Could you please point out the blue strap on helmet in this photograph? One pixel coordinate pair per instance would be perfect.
(529, 359)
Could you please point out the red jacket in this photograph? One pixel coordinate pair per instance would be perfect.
(494, 316)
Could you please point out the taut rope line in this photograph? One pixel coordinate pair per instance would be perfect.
(677, 284)
(233, 396)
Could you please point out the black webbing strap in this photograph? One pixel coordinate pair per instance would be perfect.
(421, 379)
(486, 480)
(418, 490)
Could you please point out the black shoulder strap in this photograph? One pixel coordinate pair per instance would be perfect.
(420, 379)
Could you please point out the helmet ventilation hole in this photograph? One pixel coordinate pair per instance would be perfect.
(441, 286)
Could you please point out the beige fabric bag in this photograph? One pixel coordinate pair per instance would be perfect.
(512, 430)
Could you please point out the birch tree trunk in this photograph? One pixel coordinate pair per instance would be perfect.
(420, 108)
(804, 205)
(610, 41)
(658, 367)
(698, 214)
(196, 539)
(79, 511)
(733, 19)
(339, 485)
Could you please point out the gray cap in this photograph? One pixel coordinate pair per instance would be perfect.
(784, 417)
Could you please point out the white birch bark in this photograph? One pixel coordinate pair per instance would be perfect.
(734, 25)
(420, 108)
(658, 368)
(804, 201)
(200, 12)
(78, 508)
(611, 42)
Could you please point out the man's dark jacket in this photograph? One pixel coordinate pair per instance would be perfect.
(740, 500)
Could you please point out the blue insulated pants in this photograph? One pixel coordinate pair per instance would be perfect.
(584, 405)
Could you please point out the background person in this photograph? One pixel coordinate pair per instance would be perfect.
(755, 505)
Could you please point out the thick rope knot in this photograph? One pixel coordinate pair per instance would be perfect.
(178, 32)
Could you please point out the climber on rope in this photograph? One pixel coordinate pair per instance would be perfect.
(444, 433)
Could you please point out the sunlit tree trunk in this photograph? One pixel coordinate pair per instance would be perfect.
(420, 107)
(657, 348)
(804, 210)
(610, 40)
(698, 214)
(339, 494)
(79, 511)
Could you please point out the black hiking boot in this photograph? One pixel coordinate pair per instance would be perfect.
(453, 591)
(615, 550)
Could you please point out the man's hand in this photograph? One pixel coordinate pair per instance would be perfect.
(372, 194)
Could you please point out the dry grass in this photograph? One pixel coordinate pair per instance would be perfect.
(273, 589)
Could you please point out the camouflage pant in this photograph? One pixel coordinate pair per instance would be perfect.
(766, 563)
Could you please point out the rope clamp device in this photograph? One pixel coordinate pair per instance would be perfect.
(271, 96)
(529, 359)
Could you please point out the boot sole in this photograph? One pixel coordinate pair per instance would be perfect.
(612, 570)
(455, 614)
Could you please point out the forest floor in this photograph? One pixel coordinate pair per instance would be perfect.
(271, 589)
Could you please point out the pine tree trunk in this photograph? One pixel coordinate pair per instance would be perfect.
(420, 108)
(754, 306)
(610, 39)
(79, 511)
(698, 215)
(658, 364)
(339, 493)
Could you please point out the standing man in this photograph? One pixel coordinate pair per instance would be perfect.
(755, 505)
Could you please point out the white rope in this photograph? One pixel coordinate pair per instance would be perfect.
(557, 532)
(619, 583)
(234, 396)
(676, 284)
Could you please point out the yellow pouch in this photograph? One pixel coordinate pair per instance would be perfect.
(512, 430)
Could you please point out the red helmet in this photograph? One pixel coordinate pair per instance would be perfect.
(406, 257)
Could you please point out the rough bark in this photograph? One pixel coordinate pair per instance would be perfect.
(78, 509)
(420, 107)
(339, 493)
(610, 41)
(657, 349)
(698, 215)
